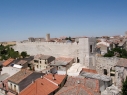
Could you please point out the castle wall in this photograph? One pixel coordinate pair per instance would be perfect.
(80, 50)
(105, 63)
(48, 48)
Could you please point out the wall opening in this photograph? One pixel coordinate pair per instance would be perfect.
(112, 72)
(91, 49)
(105, 72)
(78, 60)
(14, 87)
(37, 66)
(11, 86)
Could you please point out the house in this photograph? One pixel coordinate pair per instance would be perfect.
(62, 64)
(42, 62)
(79, 86)
(8, 62)
(47, 85)
(6, 73)
(104, 81)
(21, 80)
(23, 62)
(102, 47)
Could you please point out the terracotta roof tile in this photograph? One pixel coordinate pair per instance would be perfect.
(80, 86)
(89, 70)
(18, 77)
(58, 78)
(42, 86)
(77, 90)
(7, 62)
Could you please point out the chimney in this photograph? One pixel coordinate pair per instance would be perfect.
(78, 82)
(53, 77)
(41, 77)
(32, 81)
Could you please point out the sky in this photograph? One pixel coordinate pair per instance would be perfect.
(21, 19)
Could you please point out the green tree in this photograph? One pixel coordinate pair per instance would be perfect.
(23, 54)
(124, 87)
(119, 52)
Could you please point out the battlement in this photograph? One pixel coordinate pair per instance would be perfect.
(45, 43)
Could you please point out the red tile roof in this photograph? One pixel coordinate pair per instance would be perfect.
(58, 78)
(89, 70)
(80, 86)
(77, 90)
(39, 87)
(43, 86)
(7, 62)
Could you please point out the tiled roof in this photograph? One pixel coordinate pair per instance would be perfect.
(41, 56)
(89, 70)
(18, 77)
(58, 78)
(61, 61)
(80, 86)
(122, 62)
(43, 86)
(7, 62)
(21, 62)
(39, 87)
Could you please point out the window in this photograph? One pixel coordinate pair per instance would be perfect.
(37, 66)
(11, 86)
(91, 49)
(40, 66)
(78, 60)
(35, 61)
(40, 62)
(14, 87)
(105, 72)
(45, 61)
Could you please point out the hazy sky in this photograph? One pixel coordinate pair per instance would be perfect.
(20, 19)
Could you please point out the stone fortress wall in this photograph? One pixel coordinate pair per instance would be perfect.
(106, 63)
(49, 48)
(80, 50)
